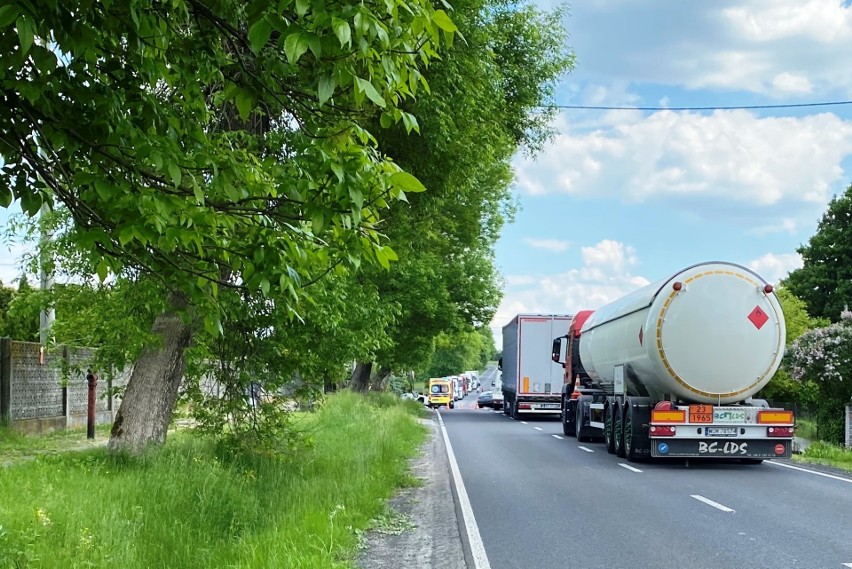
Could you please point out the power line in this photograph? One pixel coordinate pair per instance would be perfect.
(719, 108)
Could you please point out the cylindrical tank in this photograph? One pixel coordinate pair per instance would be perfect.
(711, 333)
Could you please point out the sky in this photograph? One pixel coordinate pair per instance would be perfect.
(623, 198)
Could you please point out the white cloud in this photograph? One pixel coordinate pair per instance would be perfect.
(774, 267)
(775, 48)
(605, 276)
(726, 163)
(555, 245)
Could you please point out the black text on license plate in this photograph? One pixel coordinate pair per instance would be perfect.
(720, 431)
(548, 406)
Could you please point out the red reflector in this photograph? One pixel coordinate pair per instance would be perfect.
(779, 431)
(662, 431)
(524, 405)
(664, 405)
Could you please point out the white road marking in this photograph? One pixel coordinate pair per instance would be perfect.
(556, 437)
(477, 548)
(586, 449)
(811, 472)
(847, 564)
(537, 428)
(709, 502)
(523, 422)
(628, 467)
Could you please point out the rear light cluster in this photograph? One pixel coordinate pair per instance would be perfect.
(780, 431)
(524, 406)
(663, 431)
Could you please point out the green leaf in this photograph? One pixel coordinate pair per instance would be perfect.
(244, 104)
(317, 222)
(199, 194)
(264, 286)
(258, 34)
(342, 31)
(302, 7)
(213, 325)
(125, 234)
(386, 120)
(103, 270)
(327, 83)
(367, 88)
(8, 14)
(26, 32)
(443, 21)
(338, 171)
(174, 172)
(295, 46)
(5, 196)
(407, 183)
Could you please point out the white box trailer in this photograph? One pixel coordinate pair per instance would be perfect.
(532, 381)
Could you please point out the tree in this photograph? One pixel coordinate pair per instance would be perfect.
(22, 319)
(822, 360)
(489, 97)
(825, 280)
(211, 146)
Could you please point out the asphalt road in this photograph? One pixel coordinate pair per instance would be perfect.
(543, 501)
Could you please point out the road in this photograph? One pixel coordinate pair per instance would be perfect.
(544, 500)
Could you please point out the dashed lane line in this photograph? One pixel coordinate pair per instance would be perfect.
(538, 428)
(710, 502)
(586, 449)
(556, 437)
(628, 467)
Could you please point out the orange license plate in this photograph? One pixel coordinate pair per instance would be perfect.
(700, 413)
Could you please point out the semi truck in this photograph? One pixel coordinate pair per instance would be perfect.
(671, 369)
(531, 381)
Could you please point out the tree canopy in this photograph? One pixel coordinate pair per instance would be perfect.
(824, 282)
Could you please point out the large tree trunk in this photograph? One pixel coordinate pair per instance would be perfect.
(360, 380)
(378, 383)
(146, 408)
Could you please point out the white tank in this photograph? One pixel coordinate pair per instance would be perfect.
(718, 339)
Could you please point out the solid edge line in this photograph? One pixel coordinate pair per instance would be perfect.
(833, 477)
(477, 548)
(710, 502)
(628, 467)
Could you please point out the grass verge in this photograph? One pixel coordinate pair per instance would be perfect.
(185, 506)
(826, 454)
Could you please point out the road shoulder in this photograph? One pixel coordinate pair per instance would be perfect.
(435, 540)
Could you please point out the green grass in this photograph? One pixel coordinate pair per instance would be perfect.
(15, 446)
(806, 429)
(827, 454)
(184, 506)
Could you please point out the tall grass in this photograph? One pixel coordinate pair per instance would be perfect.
(187, 506)
(828, 454)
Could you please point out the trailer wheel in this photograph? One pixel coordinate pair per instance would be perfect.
(609, 430)
(567, 426)
(618, 431)
(629, 446)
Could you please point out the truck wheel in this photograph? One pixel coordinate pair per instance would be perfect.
(751, 460)
(578, 423)
(629, 447)
(609, 430)
(567, 426)
(618, 431)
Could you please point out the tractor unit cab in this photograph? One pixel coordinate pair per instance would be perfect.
(574, 370)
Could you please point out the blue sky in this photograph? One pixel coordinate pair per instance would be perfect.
(623, 198)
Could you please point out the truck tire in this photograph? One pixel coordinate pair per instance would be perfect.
(618, 431)
(578, 423)
(751, 460)
(609, 429)
(567, 426)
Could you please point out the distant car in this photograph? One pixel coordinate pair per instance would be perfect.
(485, 400)
(497, 399)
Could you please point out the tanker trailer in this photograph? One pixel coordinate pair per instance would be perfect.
(670, 369)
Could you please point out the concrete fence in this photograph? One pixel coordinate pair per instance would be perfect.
(47, 391)
(849, 426)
